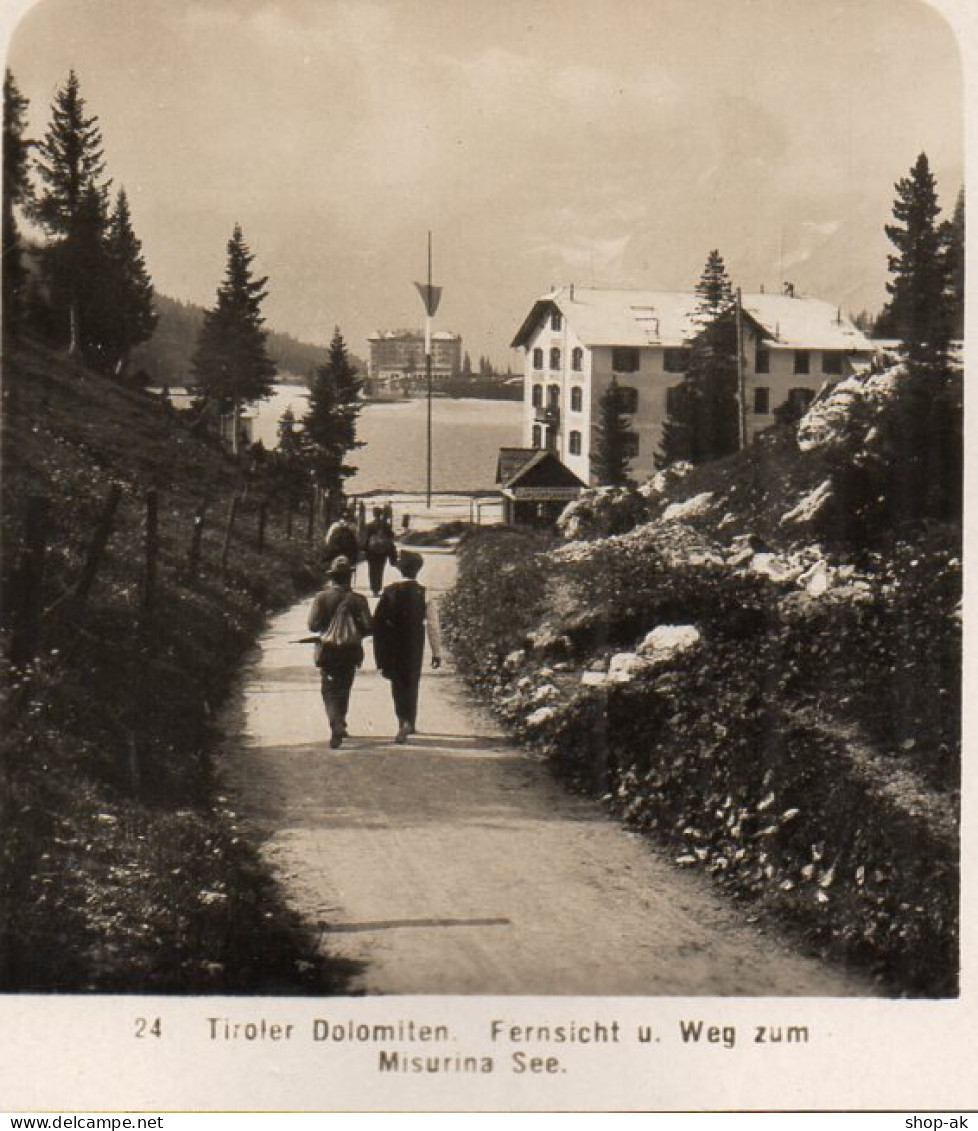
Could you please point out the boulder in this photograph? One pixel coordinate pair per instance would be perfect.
(666, 641)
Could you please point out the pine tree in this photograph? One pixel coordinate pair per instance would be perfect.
(953, 248)
(230, 364)
(916, 312)
(130, 287)
(704, 422)
(330, 425)
(16, 194)
(70, 165)
(610, 459)
(467, 366)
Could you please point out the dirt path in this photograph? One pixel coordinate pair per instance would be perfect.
(456, 865)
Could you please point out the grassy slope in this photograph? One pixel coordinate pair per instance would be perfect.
(122, 867)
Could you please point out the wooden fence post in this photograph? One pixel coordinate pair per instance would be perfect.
(262, 519)
(232, 512)
(152, 548)
(97, 547)
(30, 582)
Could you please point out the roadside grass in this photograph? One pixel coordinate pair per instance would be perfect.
(124, 868)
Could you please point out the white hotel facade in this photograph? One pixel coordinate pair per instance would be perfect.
(576, 339)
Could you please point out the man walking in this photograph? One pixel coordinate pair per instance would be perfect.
(379, 548)
(400, 619)
(342, 617)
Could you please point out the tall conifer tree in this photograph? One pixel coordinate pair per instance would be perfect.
(71, 166)
(330, 426)
(703, 422)
(16, 194)
(953, 244)
(230, 364)
(611, 458)
(917, 310)
(130, 288)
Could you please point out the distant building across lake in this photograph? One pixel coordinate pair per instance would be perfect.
(397, 360)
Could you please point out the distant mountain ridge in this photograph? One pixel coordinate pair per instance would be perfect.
(166, 357)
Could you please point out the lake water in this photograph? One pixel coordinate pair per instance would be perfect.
(466, 438)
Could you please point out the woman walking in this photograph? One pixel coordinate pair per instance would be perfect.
(400, 619)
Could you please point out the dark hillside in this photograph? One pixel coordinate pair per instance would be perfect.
(122, 868)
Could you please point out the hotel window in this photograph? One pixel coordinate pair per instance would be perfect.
(762, 360)
(555, 358)
(536, 435)
(575, 443)
(556, 322)
(577, 399)
(624, 359)
(762, 401)
(538, 358)
(537, 396)
(628, 399)
(553, 396)
(802, 362)
(675, 360)
(629, 443)
(832, 362)
(577, 359)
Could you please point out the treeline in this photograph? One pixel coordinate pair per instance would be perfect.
(165, 359)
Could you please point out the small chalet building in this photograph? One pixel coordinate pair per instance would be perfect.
(577, 338)
(535, 486)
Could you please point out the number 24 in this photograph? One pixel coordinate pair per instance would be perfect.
(149, 1028)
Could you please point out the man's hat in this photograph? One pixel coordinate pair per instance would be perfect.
(341, 564)
(409, 563)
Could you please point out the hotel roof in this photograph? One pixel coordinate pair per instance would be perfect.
(667, 318)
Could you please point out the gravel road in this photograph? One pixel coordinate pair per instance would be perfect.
(456, 865)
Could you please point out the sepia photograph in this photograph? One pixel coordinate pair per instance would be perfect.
(481, 576)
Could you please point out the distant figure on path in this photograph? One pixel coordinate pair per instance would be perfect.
(378, 545)
(342, 617)
(400, 618)
(341, 540)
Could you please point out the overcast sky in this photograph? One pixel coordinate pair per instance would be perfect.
(607, 142)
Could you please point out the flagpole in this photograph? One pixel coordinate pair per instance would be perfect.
(427, 363)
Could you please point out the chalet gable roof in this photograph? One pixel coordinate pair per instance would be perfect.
(539, 467)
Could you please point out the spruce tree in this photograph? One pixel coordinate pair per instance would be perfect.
(916, 313)
(130, 287)
(610, 459)
(703, 423)
(16, 194)
(330, 425)
(231, 366)
(70, 165)
(953, 248)
(467, 366)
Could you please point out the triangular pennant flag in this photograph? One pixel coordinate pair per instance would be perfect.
(430, 296)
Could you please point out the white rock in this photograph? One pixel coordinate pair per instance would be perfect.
(774, 567)
(540, 716)
(668, 640)
(688, 508)
(594, 679)
(810, 505)
(545, 694)
(625, 666)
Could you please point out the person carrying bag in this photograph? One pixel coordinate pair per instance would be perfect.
(342, 618)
